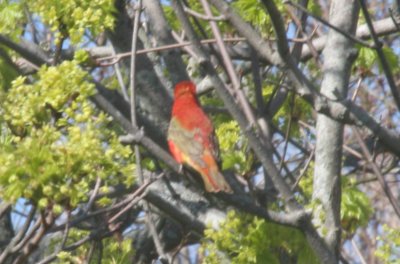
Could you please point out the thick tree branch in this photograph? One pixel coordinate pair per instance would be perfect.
(28, 50)
(162, 33)
(149, 215)
(383, 27)
(348, 112)
(153, 97)
(138, 137)
(338, 59)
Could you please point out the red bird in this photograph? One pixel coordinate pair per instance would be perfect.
(192, 140)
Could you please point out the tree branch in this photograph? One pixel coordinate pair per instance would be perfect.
(370, 160)
(381, 56)
(326, 23)
(162, 33)
(338, 59)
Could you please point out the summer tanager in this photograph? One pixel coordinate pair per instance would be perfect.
(192, 140)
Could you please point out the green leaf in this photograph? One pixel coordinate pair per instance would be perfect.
(71, 18)
(11, 18)
(388, 245)
(51, 162)
(356, 208)
(392, 59)
(247, 239)
(366, 57)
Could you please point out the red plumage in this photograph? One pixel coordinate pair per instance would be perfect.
(192, 140)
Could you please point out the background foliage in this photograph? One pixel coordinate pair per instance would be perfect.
(75, 188)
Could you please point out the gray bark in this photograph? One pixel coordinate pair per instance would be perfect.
(338, 56)
(162, 33)
(6, 229)
(150, 88)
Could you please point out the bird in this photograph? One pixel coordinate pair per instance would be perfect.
(192, 140)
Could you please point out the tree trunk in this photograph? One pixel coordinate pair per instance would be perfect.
(338, 56)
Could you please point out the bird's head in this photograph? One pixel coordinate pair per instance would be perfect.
(184, 88)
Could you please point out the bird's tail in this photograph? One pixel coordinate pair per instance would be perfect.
(214, 181)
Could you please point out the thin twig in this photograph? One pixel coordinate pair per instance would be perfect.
(26, 226)
(392, 16)
(180, 40)
(291, 140)
(201, 16)
(134, 201)
(369, 158)
(229, 67)
(97, 235)
(358, 87)
(66, 231)
(359, 254)
(93, 195)
(287, 134)
(46, 220)
(90, 254)
(64, 238)
(344, 33)
(308, 38)
(345, 147)
(284, 165)
(381, 55)
(150, 221)
(32, 24)
(134, 198)
(21, 234)
(138, 192)
(120, 79)
(120, 56)
(133, 66)
(303, 171)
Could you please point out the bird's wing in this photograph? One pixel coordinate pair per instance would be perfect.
(214, 148)
(189, 143)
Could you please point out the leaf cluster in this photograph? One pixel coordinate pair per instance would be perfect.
(389, 245)
(72, 18)
(368, 58)
(294, 108)
(248, 239)
(356, 208)
(253, 12)
(113, 251)
(55, 143)
(10, 15)
(235, 153)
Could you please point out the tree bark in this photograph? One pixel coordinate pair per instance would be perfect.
(6, 229)
(338, 57)
(162, 33)
(153, 99)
